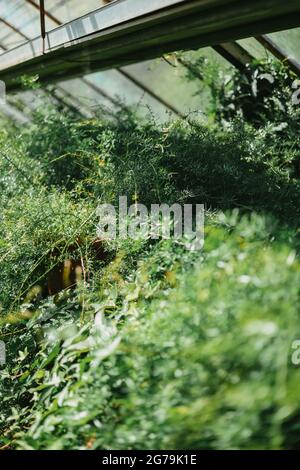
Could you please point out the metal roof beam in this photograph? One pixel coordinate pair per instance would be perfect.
(234, 53)
(96, 88)
(128, 31)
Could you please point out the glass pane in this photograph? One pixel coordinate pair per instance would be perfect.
(67, 10)
(254, 48)
(288, 41)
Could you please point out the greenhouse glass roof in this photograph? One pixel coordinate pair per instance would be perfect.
(77, 54)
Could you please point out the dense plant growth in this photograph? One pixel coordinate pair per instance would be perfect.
(154, 346)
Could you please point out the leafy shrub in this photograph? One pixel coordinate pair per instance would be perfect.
(238, 166)
(264, 94)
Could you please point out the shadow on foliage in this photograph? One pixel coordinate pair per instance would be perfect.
(224, 169)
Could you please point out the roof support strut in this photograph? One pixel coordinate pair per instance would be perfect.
(128, 31)
(42, 21)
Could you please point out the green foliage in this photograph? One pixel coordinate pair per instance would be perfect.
(30, 82)
(191, 351)
(264, 94)
(238, 166)
(261, 94)
(159, 347)
(33, 225)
